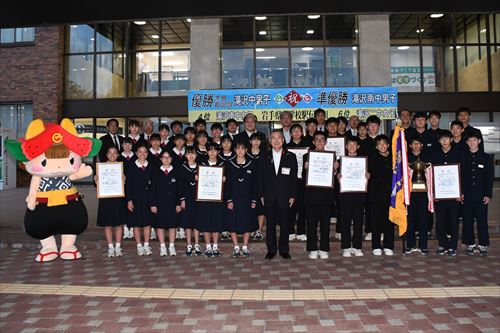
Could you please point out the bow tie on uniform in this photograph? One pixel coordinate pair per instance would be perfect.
(143, 168)
(134, 141)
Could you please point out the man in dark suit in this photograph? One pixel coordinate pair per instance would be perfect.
(112, 139)
(277, 190)
(250, 123)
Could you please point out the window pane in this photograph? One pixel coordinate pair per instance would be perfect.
(472, 31)
(174, 70)
(7, 35)
(144, 35)
(175, 31)
(495, 69)
(237, 68)
(472, 76)
(274, 28)
(405, 67)
(25, 34)
(79, 76)
(342, 66)
(341, 29)
(272, 68)
(460, 28)
(304, 28)
(307, 67)
(438, 73)
(482, 29)
(110, 81)
(80, 38)
(143, 74)
(110, 37)
(237, 31)
(472, 54)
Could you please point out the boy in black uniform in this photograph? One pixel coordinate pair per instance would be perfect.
(418, 216)
(478, 189)
(368, 148)
(458, 141)
(311, 127)
(379, 197)
(447, 210)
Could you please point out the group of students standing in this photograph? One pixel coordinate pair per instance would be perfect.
(261, 184)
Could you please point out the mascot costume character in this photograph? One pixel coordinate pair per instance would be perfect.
(53, 155)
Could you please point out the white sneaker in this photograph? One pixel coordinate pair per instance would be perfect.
(140, 250)
(338, 235)
(163, 251)
(118, 252)
(357, 252)
(172, 251)
(147, 250)
(346, 253)
(291, 237)
(182, 233)
(126, 232)
(302, 238)
(388, 252)
(377, 252)
(323, 255)
(313, 255)
(368, 236)
(153, 233)
(130, 233)
(111, 252)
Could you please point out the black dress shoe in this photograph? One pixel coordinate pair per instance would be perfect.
(286, 256)
(269, 256)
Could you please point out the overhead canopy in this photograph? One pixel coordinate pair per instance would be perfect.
(19, 14)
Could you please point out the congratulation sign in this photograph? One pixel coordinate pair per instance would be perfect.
(299, 152)
(353, 174)
(267, 104)
(210, 183)
(320, 170)
(110, 180)
(337, 145)
(447, 184)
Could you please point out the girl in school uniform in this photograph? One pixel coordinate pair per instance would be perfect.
(128, 157)
(201, 146)
(241, 198)
(133, 134)
(187, 218)
(111, 213)
(137, 191)
(255, 152)
(155, 150)
(165, 202)
(210, 218)
(178, 151)
(226, 149)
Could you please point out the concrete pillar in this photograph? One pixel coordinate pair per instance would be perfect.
(205, 54)
(374, 50)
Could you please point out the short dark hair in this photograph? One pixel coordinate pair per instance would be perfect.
(381, 137)
(216, 126)
(226, 138)
(311, 121)
(163, 127)
(434, 113)
(212, 145)
(111, 120)
(133, 122)
(474, 134)
(175, 123)
(257, 136)
(318, 111)
(127, 140)
(362, 124)
(351, 139)
(200, 121)
(462, 109)
(240, 144)
(141, 145)
(155, 136)
(190, 150)
(319, 133)
(200, 134)
(416, 138)
(457, 122)
(443, 133)
(294, 126)
(343, 120)
(373, 119)
(332, 120)
(190, 129)
(231, 120)
(179, 137)
(403, 110)
(419, 114)
(249, 115)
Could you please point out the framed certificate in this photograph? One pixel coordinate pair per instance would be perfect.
(210, 185)
(320, 171)
(299, 152)
(353, 174)
(447, 184)
(110, 180)
(337, 145)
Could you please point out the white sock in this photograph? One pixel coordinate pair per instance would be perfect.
(245, 247)
(140, 245)
(215, 247)
(162, 245)
(236, 247)
(146, 244)
(197, 245)
(110, 246)
(118, 245)
(209, 246)
(190, 246)
(171, 245)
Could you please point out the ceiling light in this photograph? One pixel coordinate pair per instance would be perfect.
(92, 38)
(82, 69)
(262, 32)
(310, 32)
(189, 20)
(354, 48)
(403, 47)
(74, 26)
(313, 17)
(436, 15)
(307, 48)
(458, 47)
(140, 22)
(266, 57)
(260, 49)
(260, 18)
(483, 31)
(155, 36)
(420, 31)
(356, 30)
